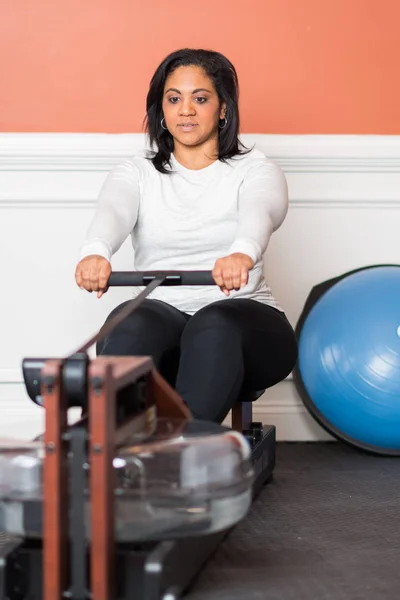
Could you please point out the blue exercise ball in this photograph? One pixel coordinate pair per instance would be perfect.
(348, 370)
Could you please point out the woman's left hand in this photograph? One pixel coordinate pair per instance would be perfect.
(232, 272)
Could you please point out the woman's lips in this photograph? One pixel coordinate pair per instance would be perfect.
(187, 126)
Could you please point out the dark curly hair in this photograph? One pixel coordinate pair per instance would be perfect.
(224, 77)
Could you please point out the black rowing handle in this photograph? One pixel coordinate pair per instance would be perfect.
(143, 278)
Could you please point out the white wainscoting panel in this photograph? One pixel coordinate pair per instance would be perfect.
(344, 213)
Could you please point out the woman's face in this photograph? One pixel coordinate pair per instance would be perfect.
(191, 106)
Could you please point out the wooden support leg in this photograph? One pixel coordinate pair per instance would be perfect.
(102, 487)
(242, 416)
(55, 497)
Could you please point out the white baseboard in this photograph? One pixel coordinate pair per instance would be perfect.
(280, 406)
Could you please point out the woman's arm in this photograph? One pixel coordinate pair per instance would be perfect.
(263, 205)
(116, 213)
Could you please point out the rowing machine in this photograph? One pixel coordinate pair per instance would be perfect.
(134, 497)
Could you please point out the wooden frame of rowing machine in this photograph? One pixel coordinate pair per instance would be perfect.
(106, 377)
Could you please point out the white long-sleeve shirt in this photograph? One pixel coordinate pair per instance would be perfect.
(187, 220)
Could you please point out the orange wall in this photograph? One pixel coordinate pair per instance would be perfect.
(305, 66)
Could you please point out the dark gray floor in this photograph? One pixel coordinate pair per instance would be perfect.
(326, 528)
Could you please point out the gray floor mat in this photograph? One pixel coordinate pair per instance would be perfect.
(326, 528)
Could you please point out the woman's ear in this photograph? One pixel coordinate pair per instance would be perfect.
(222, 114)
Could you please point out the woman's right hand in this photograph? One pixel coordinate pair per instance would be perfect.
(92, 274)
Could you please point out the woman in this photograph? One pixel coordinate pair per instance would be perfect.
(200, 201)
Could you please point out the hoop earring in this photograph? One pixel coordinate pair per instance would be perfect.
(225, 124)
(163, 125)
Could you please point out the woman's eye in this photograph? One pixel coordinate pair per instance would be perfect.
(199, 100)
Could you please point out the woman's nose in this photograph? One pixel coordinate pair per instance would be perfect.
(187, 107)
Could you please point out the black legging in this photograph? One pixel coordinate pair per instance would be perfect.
(210, 356)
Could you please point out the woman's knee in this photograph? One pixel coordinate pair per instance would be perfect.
(216, 319)
(143, 323)
(137, 320)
